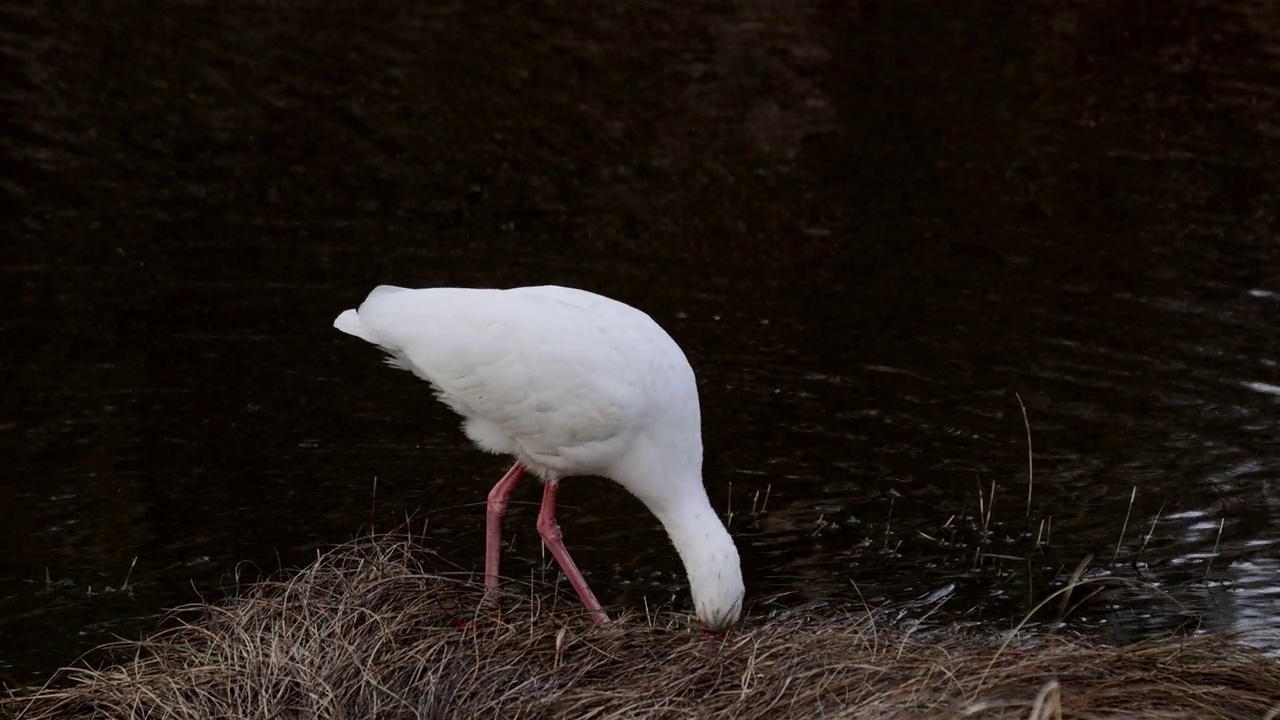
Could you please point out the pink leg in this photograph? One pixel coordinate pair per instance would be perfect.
(549, 529)
(497, 507)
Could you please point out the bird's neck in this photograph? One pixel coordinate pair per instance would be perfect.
(707, 551)
(666, 475)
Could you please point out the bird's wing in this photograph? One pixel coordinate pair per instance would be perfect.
(554, 369)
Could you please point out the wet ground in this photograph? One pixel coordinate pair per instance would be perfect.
(874, 227)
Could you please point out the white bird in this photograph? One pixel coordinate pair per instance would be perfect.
(569, 383)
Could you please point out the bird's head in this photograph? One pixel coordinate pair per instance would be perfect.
(720, 620)
(718, 591)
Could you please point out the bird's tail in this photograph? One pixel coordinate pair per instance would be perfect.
(350, 323)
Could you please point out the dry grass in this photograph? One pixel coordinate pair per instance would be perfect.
(367, 631)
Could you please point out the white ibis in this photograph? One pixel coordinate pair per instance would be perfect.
(569, 383)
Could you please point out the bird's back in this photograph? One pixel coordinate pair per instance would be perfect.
(564, 379)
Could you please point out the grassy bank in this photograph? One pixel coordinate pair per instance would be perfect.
(368, 632)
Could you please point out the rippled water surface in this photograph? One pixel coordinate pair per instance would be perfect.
(876, 228)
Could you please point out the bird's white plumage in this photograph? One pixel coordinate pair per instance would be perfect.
(570, 383)
(559, 378)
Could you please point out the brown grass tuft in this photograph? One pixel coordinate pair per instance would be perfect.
(368, 632)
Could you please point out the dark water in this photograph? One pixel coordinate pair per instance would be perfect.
(873, 226)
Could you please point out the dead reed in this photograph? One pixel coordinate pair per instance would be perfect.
(368, 631)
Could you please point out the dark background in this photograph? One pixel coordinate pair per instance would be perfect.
(869, 224)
